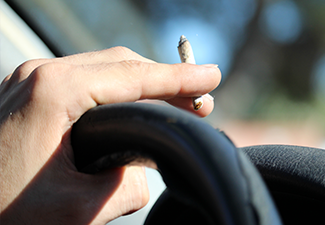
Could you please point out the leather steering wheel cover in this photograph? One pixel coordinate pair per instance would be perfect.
(295, 176)
(293, 169)
(195, 161)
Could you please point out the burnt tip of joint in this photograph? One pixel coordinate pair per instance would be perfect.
(198, 106)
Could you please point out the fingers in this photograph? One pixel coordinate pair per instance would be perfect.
(137, 80)
(89, 85)
(100, 82)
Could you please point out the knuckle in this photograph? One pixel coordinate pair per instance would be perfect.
(51, 70)
(6, 79)
(135, 72)
(30, 65)
(47, 77)
(43, 73)
(123, 52)
(25, 69)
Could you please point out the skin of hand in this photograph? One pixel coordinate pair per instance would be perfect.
(39, 103)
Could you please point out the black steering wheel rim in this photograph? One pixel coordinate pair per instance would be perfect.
(197, 163)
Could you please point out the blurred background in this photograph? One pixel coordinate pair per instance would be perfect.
(271, 54)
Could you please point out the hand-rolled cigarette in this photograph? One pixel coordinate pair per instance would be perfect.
(186, 54)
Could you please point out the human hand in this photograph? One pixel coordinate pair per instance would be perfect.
(39, 103)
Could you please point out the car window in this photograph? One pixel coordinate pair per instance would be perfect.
(17, 42)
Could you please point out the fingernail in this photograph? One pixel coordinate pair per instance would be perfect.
(211, 65)
(208, 96)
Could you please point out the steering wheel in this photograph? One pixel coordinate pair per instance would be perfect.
(295, 176)
(207, 177)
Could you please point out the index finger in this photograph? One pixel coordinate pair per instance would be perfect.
(130, 81)
(77, 88)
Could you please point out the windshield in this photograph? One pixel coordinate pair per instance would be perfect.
(271, 53)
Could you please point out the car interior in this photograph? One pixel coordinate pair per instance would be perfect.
(200, 174)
